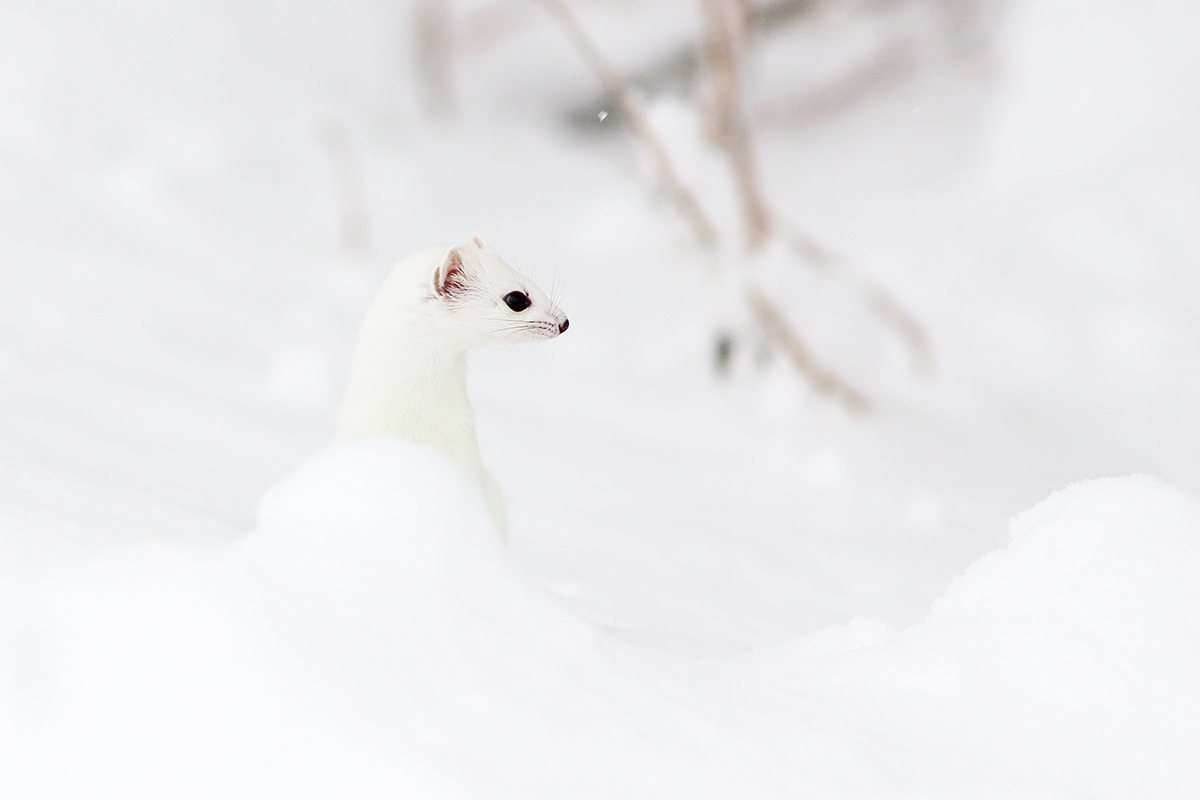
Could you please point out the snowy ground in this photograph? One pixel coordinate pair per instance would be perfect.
(711, 589)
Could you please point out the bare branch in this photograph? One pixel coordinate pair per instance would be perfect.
(891, 65)
(433, 29)
(882, 303)
(678, 193)
(735, 142)
(681, 66)
(762, 17)
(726, 125)
(888, 308)
(775, 326)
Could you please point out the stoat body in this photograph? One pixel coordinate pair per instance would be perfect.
(408, 373)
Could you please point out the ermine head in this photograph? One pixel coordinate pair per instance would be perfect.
(486, 302)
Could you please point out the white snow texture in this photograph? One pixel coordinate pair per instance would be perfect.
(371, 637)
(711, 588)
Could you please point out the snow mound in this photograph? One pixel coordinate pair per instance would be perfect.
(1099, 556)
(372, 637)
(1067, 659)
(368, 628)
(390, 533)
(1094, 601)
(396, 511)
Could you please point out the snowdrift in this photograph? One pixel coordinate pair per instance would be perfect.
(371, 637)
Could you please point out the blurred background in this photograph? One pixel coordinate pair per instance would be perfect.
(850, 281)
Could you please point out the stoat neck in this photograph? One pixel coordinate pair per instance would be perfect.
(408, 381)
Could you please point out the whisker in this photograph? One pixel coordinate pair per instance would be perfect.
(537, 327)
(519, 323)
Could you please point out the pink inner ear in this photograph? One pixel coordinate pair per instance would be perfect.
(451, 278)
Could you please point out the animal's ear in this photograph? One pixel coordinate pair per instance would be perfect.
(450, 278)
(478, 241)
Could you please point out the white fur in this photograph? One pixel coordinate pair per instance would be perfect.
(408, 374)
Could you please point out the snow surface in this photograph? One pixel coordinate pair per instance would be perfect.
(371, 636)
(711, 589)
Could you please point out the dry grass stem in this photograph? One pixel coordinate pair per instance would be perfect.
(889, 310)
(679, 194)
(824, 380)
(433, 30)
(726, 125)
(733, 139)
(882, 303)
(889, 66)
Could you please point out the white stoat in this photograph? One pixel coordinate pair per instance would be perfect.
(408, 374)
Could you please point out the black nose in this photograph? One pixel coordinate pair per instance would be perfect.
(566, 323)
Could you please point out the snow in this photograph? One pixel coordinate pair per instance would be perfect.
(711, 588)
(372, 636)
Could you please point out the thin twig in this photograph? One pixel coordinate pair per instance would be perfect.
(881, 302)
(730, 131)
(433, 29)
(772, 322)
(680, 66)
(889, 66)
(728, 128)
(679, 194)
(888, 308)
(726, 125)
(824, 380)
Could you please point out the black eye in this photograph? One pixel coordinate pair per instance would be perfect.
(518, 301)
